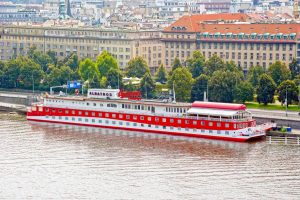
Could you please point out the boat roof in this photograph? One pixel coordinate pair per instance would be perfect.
(220, 106)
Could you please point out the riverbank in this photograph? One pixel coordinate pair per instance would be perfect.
(8, 107)
(255, 105)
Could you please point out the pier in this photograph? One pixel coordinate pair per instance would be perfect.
(283, 138)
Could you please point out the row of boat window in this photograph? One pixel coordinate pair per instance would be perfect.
(112, 105)
(138, 107)
(100, 121)
(176, 109)
(148, 118)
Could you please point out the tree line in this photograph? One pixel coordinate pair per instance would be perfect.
(223, 81)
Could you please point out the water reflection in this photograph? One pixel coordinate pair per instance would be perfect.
(139, 141)
(51, 161)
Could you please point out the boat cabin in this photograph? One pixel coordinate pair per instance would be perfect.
(219, 111)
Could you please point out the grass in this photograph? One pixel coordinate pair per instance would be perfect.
(276, 106)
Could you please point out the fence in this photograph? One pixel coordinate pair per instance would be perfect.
(283, 140)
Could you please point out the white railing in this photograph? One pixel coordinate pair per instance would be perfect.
(283, 140)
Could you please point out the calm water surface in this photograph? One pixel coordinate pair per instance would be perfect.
(46, 161)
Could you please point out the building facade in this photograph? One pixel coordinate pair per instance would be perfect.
(244, 43)
(85, 42)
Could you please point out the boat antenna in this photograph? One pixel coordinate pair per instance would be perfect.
(174, 95)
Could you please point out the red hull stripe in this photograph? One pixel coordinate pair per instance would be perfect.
(156, 131)
(154, 120)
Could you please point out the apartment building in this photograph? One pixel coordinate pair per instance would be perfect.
(242, 42)
(85, 42)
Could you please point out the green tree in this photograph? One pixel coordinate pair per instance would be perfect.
(253, 75)
(294, 68)
(97, 82)
(161, 75)
(131, 87)
(72, 61)
(213, 64)
(287, 88)
(30, 73)
(52, 55)
(12, 72)
(137, 67)
(244, 92)
(89, 72)
(222, 85)
(31, 51)
(114, 78)
(297, 80)
(67, 74)
(2, 75)
(54, 77)
(147, 86)
(196, 64)
(176, 64)
(40, 58)
(199, 87)
(105, 61)
(265, 89)
(237, 71)
(183, 81)
(279, 72)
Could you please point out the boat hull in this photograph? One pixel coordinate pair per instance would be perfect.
(173, 133)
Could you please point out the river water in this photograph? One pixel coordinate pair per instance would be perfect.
(46, 161)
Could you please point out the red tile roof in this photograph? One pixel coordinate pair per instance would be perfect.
(250, 28)
(195, 23)
(192, 22)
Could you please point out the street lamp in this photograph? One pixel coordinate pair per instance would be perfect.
(286, 101)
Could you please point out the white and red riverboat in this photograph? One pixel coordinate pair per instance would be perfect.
(112, 108)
